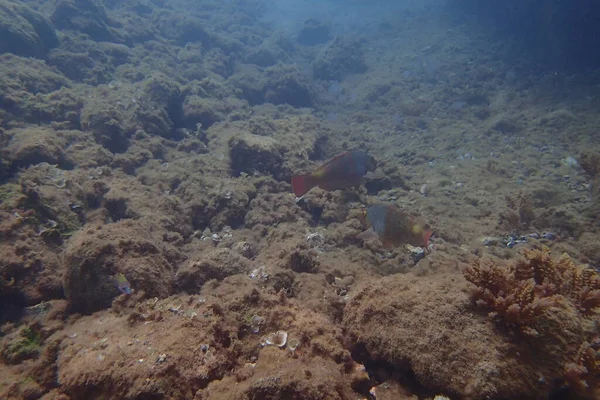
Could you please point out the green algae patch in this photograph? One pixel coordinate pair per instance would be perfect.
(24, 345)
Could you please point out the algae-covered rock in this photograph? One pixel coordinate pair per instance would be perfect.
(283, 84)
(340, 58)
(20, 74)
(114, 112)
(94, 254)
(287, 85)
(264, 56)
(430, 331)
(30, 146)
(277, 375)
(255, 154)
(217, 264)
(85, 16)
(35, 145)
(24, 31)
(251, 82)
(21, 345)
(314, 32)
(204, 111)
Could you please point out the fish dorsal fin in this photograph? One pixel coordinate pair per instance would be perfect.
(319, 171)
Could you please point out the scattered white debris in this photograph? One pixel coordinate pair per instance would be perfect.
(259, 273)
(161, 358)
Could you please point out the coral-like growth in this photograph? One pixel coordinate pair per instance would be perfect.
(519, 213)
(580, 284)
(521, 291)
(584, 373)
(553, 299)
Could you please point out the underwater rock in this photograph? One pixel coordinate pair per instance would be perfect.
(29, 268)
(76, 66)
(263, 56)
(302, 259)
(114, 112)
(185, 29)
(314, 32)
(22, 345)
(35, 145)
(456, 351)
(251, 82)
(87, 17)
(504, 125)
(342, 57)
(96, 253)
(108, 346)
(20, 74)
(271, 209)
(216, 264)
(36, 218)
(276, 374)
(25, 32)
(204, 111)
(287, 85)
(253, 154)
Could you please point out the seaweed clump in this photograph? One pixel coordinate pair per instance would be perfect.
(520, 292)
(554, 302)
(584, 373)
(519, 213)
(25, 344)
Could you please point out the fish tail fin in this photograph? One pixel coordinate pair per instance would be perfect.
(426, 235)
(302, 184)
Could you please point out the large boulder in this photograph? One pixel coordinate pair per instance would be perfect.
(96, 254)
(24, 31)
(432, 331)
(86, 16)
(340, 58)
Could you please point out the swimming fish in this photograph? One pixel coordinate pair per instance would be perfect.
(393, 226)
(343, 171)
(121, 282)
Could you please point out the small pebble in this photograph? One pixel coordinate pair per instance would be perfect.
(549, 235)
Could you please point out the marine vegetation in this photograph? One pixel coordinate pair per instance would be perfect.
(551, 305)
(521, 291)
(25, 344)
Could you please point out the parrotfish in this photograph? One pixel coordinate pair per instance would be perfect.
(343, 171)
(121, 282)
(393, 227)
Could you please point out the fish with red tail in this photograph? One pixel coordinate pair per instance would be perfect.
(393, 227)
(343, 171)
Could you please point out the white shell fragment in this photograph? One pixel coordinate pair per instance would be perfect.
(293, 344)
(280, 338)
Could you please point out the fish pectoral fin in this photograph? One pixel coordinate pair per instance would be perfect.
(368, 235)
